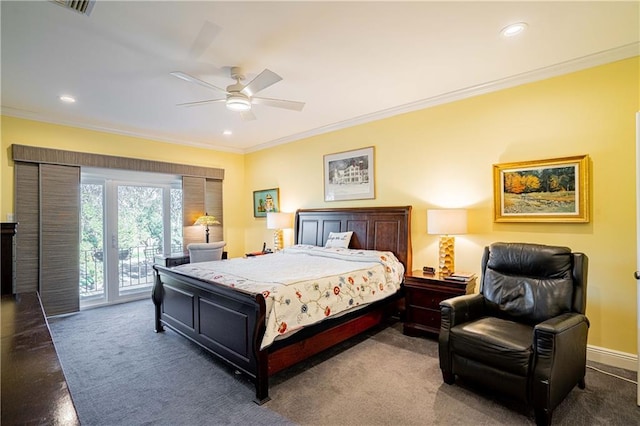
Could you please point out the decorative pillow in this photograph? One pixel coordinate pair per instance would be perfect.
(339, 239)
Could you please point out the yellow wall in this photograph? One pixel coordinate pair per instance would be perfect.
(26, 132)
(443, 157)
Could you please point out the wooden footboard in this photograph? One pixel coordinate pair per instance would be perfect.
(227, 322)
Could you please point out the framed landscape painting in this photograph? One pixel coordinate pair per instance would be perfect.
(555, 190)
(349, 175)
(266, 200)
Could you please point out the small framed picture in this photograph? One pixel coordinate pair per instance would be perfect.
(555, 190)
(266, 200)
(349, 175)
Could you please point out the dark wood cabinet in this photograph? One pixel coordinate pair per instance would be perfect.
(7, 264)
(423, 294)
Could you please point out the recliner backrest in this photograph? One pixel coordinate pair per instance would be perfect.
(528, 282)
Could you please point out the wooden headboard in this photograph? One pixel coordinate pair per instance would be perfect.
(374, 228)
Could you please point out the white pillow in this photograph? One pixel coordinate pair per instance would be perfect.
(339, 239)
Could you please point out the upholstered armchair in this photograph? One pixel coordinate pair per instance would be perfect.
(204, 252)
(525, 333)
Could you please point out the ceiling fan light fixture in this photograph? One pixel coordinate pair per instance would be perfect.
(238, 102)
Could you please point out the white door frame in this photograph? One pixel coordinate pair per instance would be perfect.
(112, 236)
(638, 244)
(111, 180)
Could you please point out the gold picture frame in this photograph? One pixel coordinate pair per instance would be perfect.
(554, 190)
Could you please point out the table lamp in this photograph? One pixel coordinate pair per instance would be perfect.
(278, 222)
(206, 220)
(446, 222)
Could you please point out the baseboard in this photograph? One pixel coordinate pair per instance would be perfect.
(612, 358)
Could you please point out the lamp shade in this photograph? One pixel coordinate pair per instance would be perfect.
(238, 102)
(446, 221)
(206, 220)
(279, 220)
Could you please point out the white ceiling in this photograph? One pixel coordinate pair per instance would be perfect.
(350, 62)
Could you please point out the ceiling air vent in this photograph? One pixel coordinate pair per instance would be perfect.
(80, 6)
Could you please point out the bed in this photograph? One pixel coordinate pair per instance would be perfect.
(230, 322)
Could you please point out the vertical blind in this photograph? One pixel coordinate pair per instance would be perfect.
(199, 196)
(27, 214)
(192, 208)
(59, 238)
(213, 206)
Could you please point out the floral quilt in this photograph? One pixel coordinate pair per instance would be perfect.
(303, 284)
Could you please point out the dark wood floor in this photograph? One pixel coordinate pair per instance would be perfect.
(34, 389)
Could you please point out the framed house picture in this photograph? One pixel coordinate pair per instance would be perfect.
(555, 190)
(266, 200)
(349, 175)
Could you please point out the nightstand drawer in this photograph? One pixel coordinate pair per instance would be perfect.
(429, 318)
(426, 299)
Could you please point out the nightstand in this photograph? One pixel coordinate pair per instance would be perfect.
(423, 294)
(173, 259)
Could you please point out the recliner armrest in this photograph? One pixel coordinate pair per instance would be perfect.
(561, 323)
(461, 309)
(455, 311)
(550, 336)
(560, 351)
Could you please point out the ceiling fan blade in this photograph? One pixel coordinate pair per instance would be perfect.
(192, 79)
(247, 116)
(279, 103)
(208, 32)
(263, 80)
(197, 103)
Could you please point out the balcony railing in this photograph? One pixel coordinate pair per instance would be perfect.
(135, 269)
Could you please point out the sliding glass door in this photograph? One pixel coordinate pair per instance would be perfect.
(125, 224)
(139, 235)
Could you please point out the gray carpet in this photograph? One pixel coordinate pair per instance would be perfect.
(122, 373)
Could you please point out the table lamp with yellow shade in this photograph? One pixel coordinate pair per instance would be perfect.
(206, 221)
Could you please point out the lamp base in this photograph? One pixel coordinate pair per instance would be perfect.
(446, 256)
(277, 240)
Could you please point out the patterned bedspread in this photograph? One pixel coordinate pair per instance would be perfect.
(303, 284)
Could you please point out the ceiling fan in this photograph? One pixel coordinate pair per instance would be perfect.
(240, 97)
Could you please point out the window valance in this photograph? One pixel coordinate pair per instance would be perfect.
(34, 154)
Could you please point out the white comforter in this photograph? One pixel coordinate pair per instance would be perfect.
(303, 285)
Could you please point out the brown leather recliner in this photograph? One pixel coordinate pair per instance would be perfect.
(525, 333)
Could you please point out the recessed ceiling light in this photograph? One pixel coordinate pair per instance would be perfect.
(68, 99)
(227, 132)
(513, 29)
